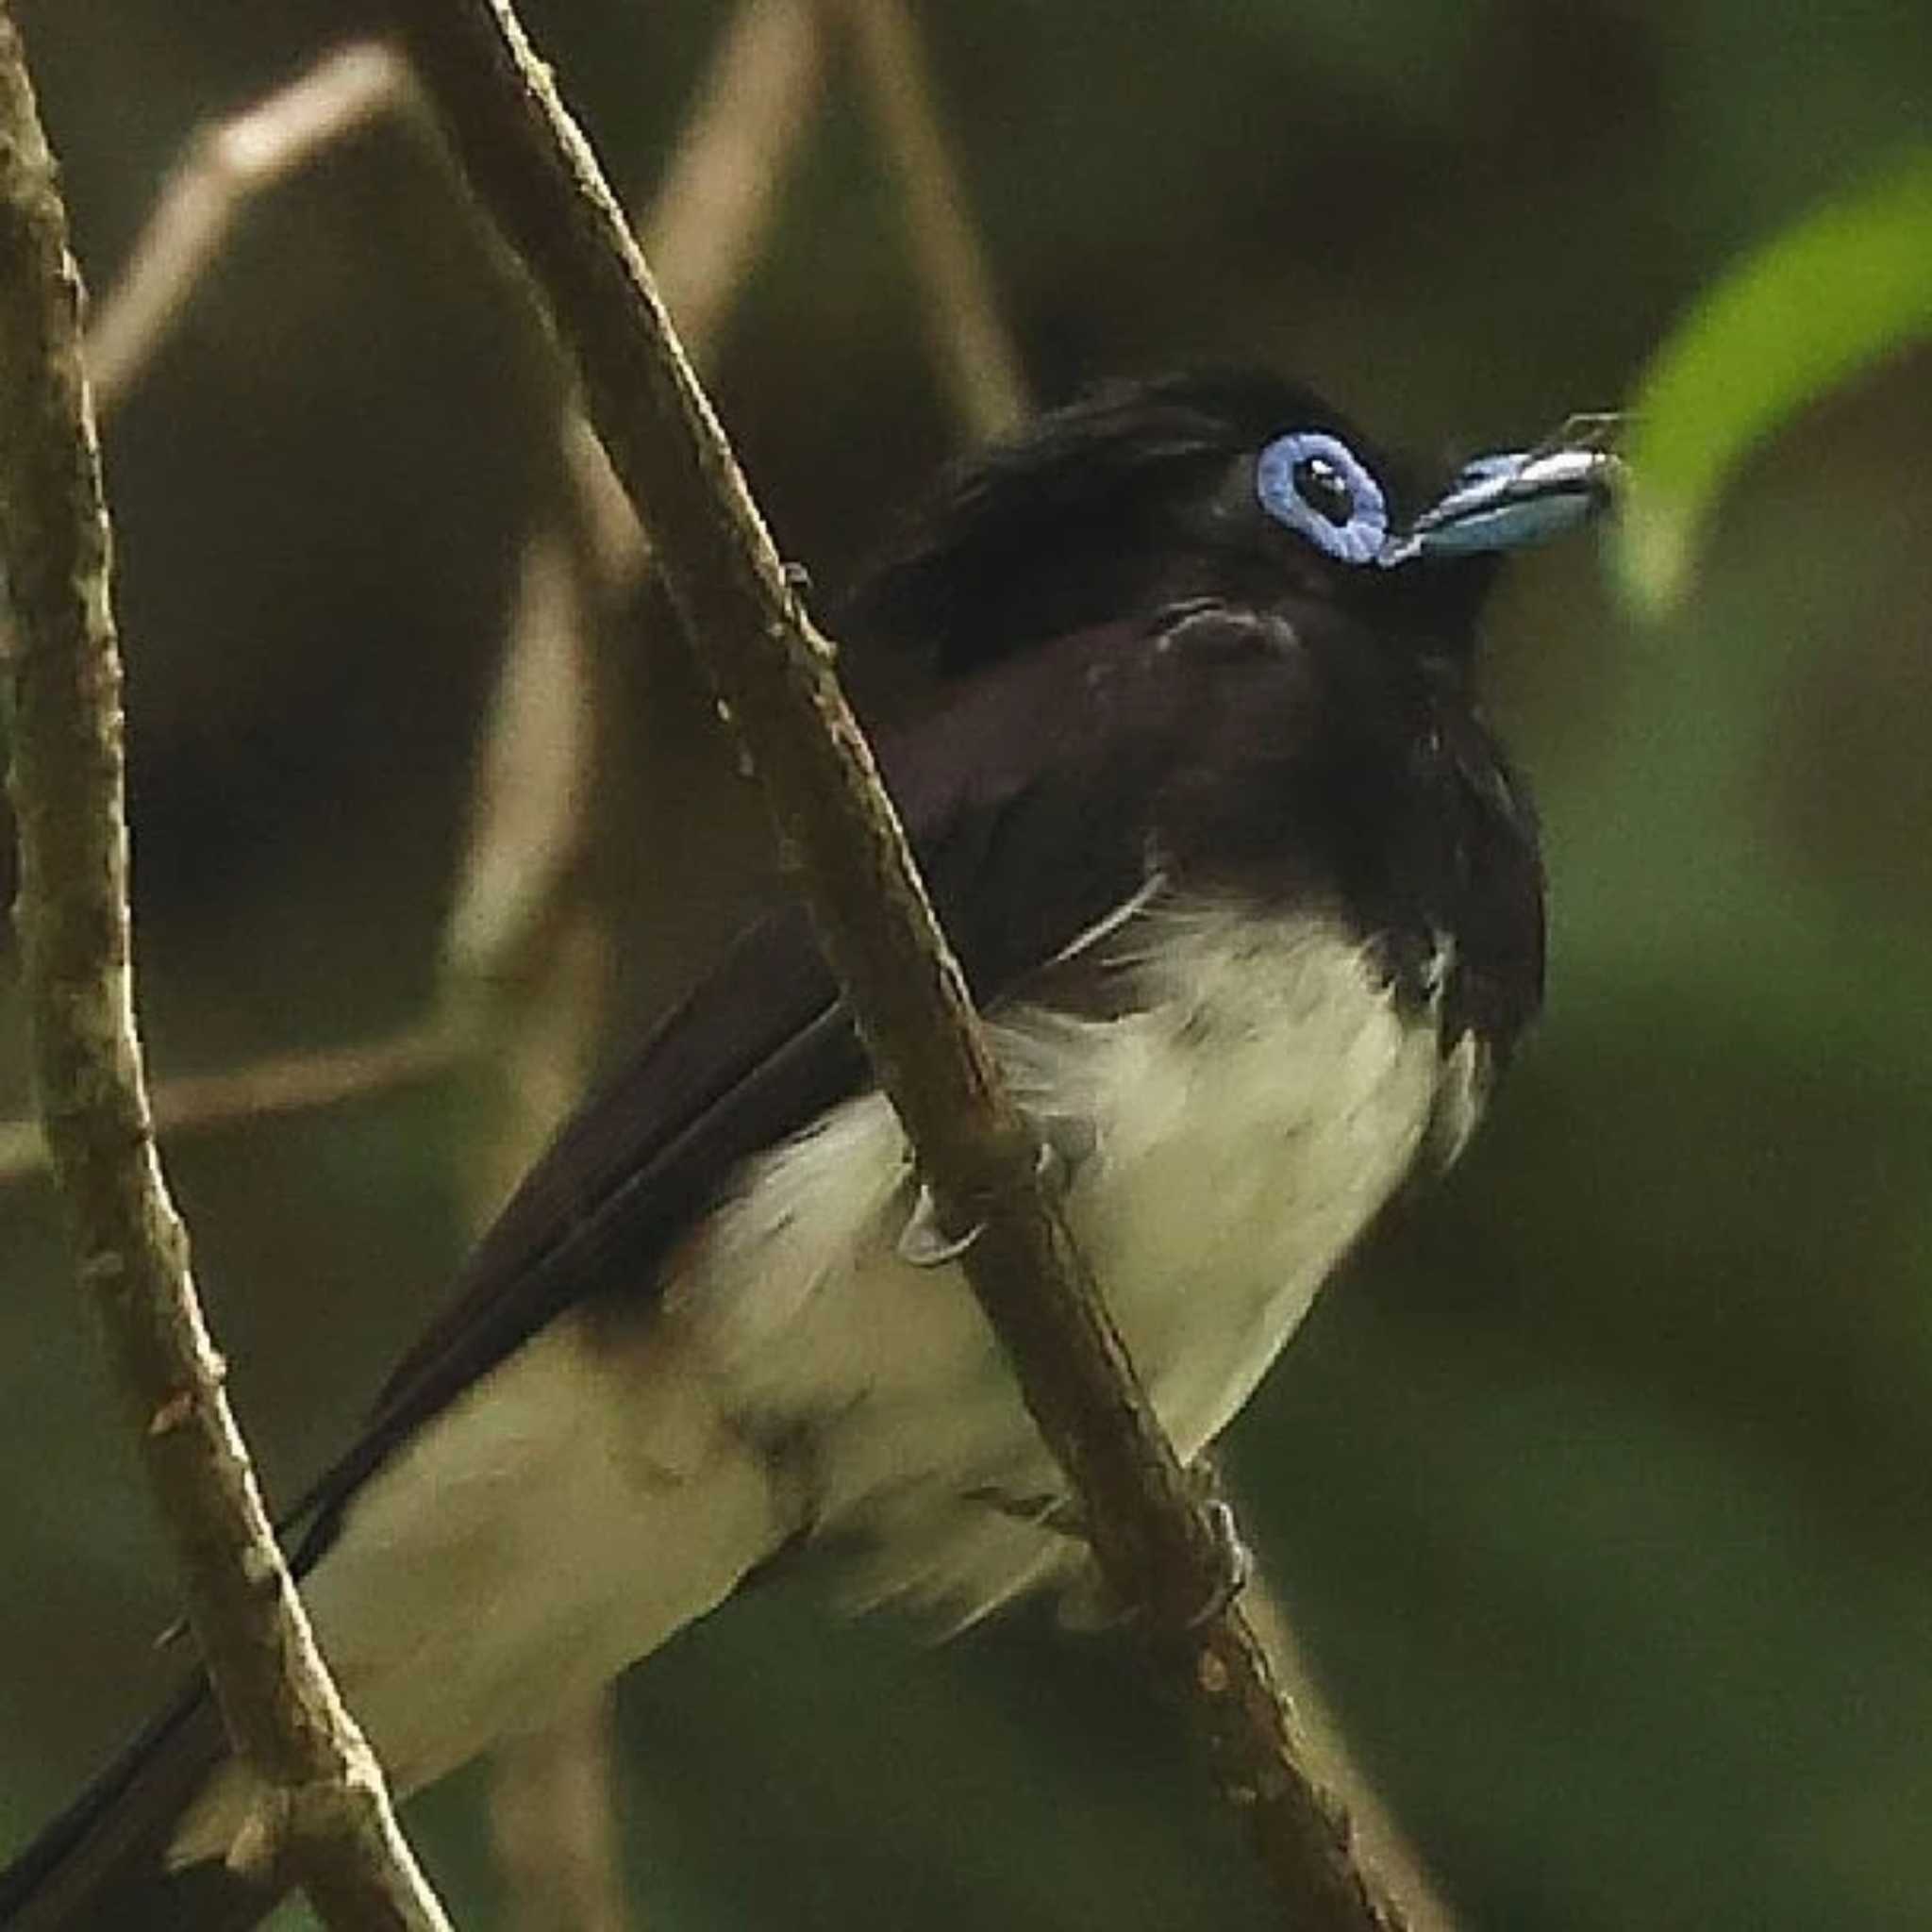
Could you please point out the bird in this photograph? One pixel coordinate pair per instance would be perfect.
(1253, 901)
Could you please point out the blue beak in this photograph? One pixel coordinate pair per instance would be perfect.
(1512, 500)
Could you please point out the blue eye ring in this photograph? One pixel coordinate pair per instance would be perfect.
(1359, 538)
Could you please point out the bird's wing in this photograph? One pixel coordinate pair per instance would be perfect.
(1028, 835)
(748, 1057)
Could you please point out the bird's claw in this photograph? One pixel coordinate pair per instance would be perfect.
(1094, 1606)
(1065, 1140)
(924, 1241)
(1234, 1559)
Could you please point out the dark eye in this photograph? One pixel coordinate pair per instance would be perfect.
(1316, 485)
(1325, 490)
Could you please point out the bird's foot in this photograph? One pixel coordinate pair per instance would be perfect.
(1235, 1562)
(925, 1242)
(1089, 1602)
(1065, 1141)
(1233, 1559)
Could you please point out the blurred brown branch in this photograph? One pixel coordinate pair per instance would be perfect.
(282, 1083)
(226, 169)
(324, 1814)
(971, 346)
(714, 206)
(533, 777)
(706, 222)
(553, 1827)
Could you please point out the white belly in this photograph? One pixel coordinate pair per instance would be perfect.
(1253, 1113)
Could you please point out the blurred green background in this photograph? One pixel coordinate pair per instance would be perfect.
(1598, 1488)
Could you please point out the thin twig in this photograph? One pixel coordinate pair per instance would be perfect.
(278, 1084)
(706, 223)
(710, 214)
(533, 776)
(971, 346)
(225, 168)
(324, 1809)
(533, 172)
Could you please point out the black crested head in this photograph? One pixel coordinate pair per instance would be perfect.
(1204, 619)
(1138, 495)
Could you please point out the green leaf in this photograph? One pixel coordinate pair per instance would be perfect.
(1820, 303)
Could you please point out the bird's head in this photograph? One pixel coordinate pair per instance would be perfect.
(1227, 483)
(1213, 606)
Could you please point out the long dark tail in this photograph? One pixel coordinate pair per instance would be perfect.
(99, 1867)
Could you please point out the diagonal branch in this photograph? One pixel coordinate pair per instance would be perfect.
(325, 1809)
(535, 174)
(714, 206)
(971, 347)
(229, 166)
(705, 222)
